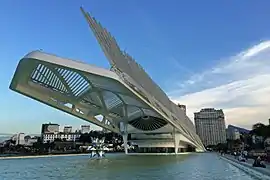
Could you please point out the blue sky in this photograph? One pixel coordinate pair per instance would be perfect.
(202, 53)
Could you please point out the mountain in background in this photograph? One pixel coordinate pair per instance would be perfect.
(241, 130)
(4, 137)
(5, 134)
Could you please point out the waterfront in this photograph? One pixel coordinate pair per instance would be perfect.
(118, 166)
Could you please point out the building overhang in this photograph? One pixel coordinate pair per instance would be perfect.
(85, 91)
(88, 92)
(103, 97)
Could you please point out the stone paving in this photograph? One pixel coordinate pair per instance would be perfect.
(249, 161)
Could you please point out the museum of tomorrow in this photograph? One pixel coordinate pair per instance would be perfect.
(123, 99)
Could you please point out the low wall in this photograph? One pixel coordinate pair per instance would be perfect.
(158, 154)
(40, 156)
(259, 173)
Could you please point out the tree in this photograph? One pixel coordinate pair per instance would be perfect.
(38, 146)
(12, 142)
(260, 129)
(221, 147)
(258, 126)
(85, 138)
(52, 145)
(237, 141)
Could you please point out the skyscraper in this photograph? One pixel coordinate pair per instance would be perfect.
(85, 129)
(210, 126)
(67, 129)
(232, 133)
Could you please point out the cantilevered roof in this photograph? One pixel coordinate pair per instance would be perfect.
(82, 90)
(88, 92)
(124, 65)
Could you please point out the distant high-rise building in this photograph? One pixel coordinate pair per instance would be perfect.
(232, 133)
(50, 128)
(67, 129)
(20, 139)
(210, 126)
(85, 129)
(29, 141)
(49, 131)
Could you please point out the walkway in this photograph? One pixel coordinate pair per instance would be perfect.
(261, 173)
(249, 161)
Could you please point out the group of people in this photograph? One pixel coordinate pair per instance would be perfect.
(242, 156)
(258, 162)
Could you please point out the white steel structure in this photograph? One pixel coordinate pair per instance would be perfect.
(126, 98)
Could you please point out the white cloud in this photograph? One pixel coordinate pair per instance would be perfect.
(240, 85)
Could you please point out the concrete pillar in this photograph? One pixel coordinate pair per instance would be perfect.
(123, 129)
(176, 137)
(125, 136)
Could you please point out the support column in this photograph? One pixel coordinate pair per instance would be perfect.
(125, 142)
(176, 137)
(123, 129)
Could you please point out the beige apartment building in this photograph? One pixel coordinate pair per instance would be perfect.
(210, 126)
